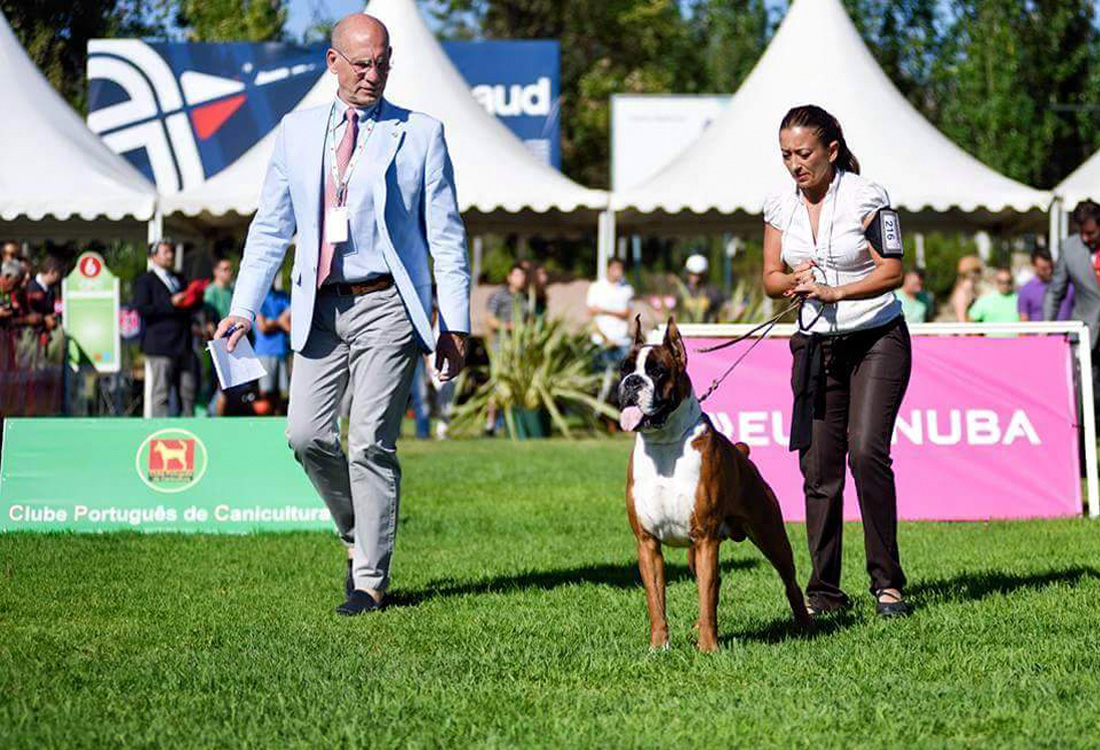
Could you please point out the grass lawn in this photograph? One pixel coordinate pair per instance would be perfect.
(519, 621)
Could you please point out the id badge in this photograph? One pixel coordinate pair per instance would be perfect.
(336, 225)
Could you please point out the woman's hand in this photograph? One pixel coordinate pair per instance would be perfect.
(803, 273)
(821, 292)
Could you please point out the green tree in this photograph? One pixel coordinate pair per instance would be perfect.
(232, 20)
(1014, 83)
(729, 37)
(607, 46)
(55, 34)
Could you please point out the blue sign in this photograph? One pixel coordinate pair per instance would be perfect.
(183, 112)
(520, 83)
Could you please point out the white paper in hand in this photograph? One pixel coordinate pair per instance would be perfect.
(235, 367)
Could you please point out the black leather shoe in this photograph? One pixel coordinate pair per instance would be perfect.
(349, 582)
(359, 603)
(899, 608)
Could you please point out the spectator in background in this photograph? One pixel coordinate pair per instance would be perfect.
(216, 299)
(9, 251)
(608, 303)
(160, 297)
(699, 302)
(1032, 293)
(273, 349)
(502, 305)
(540, 285)
(1000, 305)
(913, 307)
(967, 286)
(219, 293)
(13, 306)
(1079, 264)
(44, 293)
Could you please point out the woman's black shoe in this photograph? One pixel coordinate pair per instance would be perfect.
(899, 608)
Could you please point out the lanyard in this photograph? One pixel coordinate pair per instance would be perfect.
(341, 181)
(834, 190)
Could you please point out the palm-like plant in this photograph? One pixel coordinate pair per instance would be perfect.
(538, 365)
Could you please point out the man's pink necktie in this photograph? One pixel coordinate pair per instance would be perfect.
(343, 156)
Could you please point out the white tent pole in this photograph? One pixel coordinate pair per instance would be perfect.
(1055, 228)
(605, 242)
(156, 226)
(918, 240)
(1063, 229)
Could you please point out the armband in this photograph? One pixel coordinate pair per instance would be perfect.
(884, 233)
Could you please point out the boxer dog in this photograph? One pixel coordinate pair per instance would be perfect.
(688, 486)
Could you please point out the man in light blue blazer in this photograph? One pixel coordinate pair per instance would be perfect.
(369, 189)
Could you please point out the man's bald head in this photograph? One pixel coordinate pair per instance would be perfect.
(350, 29)
(360, 59)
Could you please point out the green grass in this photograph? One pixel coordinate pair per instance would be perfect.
(520, 622)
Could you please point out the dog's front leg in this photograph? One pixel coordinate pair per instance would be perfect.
(651, 564)
(707, 575)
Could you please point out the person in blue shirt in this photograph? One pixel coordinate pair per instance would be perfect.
(272, 347)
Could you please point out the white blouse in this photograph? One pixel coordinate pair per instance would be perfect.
(841, 251)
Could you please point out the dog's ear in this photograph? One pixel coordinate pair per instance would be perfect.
(675, 342)
(639, 337)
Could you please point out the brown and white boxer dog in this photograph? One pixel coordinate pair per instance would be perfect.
(688, 486)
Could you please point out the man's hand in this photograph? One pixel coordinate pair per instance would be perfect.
(450, 355)
(240, 327)
(178, 299)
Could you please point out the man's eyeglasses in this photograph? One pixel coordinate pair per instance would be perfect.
(362, 67)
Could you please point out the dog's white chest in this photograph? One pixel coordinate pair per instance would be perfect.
(666, 479)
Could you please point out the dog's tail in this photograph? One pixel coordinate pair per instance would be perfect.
(743, 448)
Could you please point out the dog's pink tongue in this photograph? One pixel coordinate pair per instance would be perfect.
(630, 418)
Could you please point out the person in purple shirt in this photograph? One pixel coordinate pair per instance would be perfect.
(1030, 296)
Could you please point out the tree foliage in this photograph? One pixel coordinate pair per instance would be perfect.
(232, 20)
(55, 34)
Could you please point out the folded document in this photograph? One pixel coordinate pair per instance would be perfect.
(235, 367)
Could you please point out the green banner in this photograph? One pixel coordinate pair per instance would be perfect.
(210, 475)
(89, 296)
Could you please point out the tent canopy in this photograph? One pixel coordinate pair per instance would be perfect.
(53, 165)
(1082, 184)
(500, 184)
(817, 56)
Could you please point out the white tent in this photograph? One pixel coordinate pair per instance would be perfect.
(500, 184)
(59, 181)
(1082, 184)
(817, 56)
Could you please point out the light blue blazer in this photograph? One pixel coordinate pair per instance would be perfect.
(406, 168)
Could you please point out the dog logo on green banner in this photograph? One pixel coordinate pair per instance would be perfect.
(171, 460)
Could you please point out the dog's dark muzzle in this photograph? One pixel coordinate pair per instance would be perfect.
(629, 389)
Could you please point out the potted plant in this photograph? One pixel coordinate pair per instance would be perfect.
(538, 373)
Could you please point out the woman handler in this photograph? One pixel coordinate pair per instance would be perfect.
(833, 241)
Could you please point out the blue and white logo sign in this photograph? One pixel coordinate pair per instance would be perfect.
(182, 112)
(519, 82)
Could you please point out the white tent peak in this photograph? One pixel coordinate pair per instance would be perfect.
(818, 57)
(53, 164)
(1082, 184)
(494, 171)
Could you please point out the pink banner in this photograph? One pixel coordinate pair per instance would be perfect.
(988, 428)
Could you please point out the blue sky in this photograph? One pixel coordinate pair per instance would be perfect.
(302, 12)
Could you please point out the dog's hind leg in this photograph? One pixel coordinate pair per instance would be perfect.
(770, 537)
(709, 578)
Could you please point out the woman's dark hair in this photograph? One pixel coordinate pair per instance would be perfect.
(828, 130)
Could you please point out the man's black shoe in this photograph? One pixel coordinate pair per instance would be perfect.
(349, 582)
(359, 603)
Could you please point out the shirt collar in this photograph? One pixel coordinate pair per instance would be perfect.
(364, 112)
